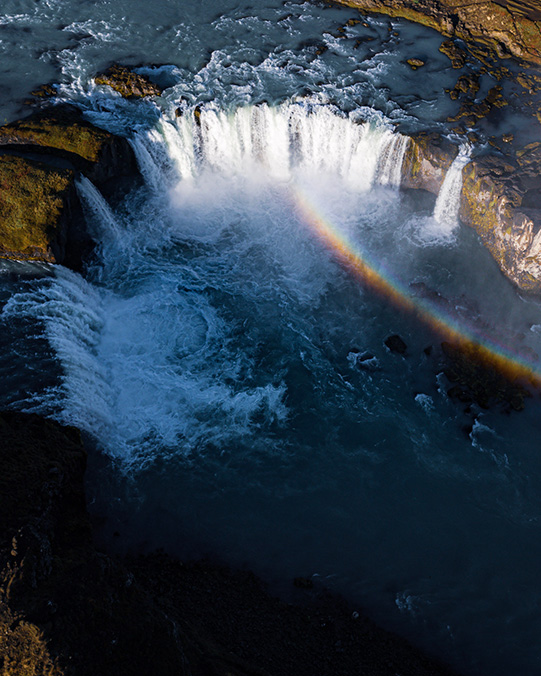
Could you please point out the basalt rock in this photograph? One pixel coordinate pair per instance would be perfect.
(501, 200)
(427, 159)
(127, 83)
(68, 610)
(508, 28)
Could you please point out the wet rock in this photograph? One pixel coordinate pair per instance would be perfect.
(467, 85)
(472, 112)
(395, 344)
(415, 63)
(458, 56)
(428, 157)
(45, 91)
(127, 83)
(510, 29)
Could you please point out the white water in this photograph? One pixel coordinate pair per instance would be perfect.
(275, 142)
(448, 202)
(102, 222)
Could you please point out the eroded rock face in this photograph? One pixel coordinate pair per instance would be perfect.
(40, 214)
(428, 157)
(510, 29)
(37, 204)
(127, 83)
(501, 201)
(61, 131)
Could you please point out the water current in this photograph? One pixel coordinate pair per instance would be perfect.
(226, 364)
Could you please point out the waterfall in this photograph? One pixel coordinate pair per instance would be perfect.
(448, 202)
(279, 141)
(102, 221)
(391, 159)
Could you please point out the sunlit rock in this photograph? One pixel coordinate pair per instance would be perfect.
(509, 30)
(501, 201)
(127, 83)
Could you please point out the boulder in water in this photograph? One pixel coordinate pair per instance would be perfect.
(395, 344)
(126, 82)
(415, 63)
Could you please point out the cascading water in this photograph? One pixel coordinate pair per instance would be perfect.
(279, 140)
(448, 202)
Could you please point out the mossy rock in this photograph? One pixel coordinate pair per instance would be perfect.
(34, 209)
(128, 84)
(61, 131)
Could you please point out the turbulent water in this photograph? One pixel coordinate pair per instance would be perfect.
(230, 369)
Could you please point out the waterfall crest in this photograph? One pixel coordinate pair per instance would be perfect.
(279, 141)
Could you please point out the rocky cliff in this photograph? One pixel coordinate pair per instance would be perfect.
(509, 27)
(40, 157)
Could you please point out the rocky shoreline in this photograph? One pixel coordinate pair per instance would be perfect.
(66, 608)
(510, 29)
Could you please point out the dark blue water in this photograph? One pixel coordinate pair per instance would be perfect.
(211, 352)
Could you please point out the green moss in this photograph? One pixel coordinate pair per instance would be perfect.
(32, 200)
(69, 135)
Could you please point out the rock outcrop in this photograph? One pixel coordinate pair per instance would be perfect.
(38, 204)
(508, 28)
(67, 609)
(501, 200)
(40, 157)
(62, 132)
(128, 84)
(427, 159)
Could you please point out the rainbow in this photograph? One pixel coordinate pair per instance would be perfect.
(491, 353)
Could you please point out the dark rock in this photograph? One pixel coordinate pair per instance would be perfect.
(395, 344)
(68, 610)
(477, 379)
(127, 83)
(303, 583)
